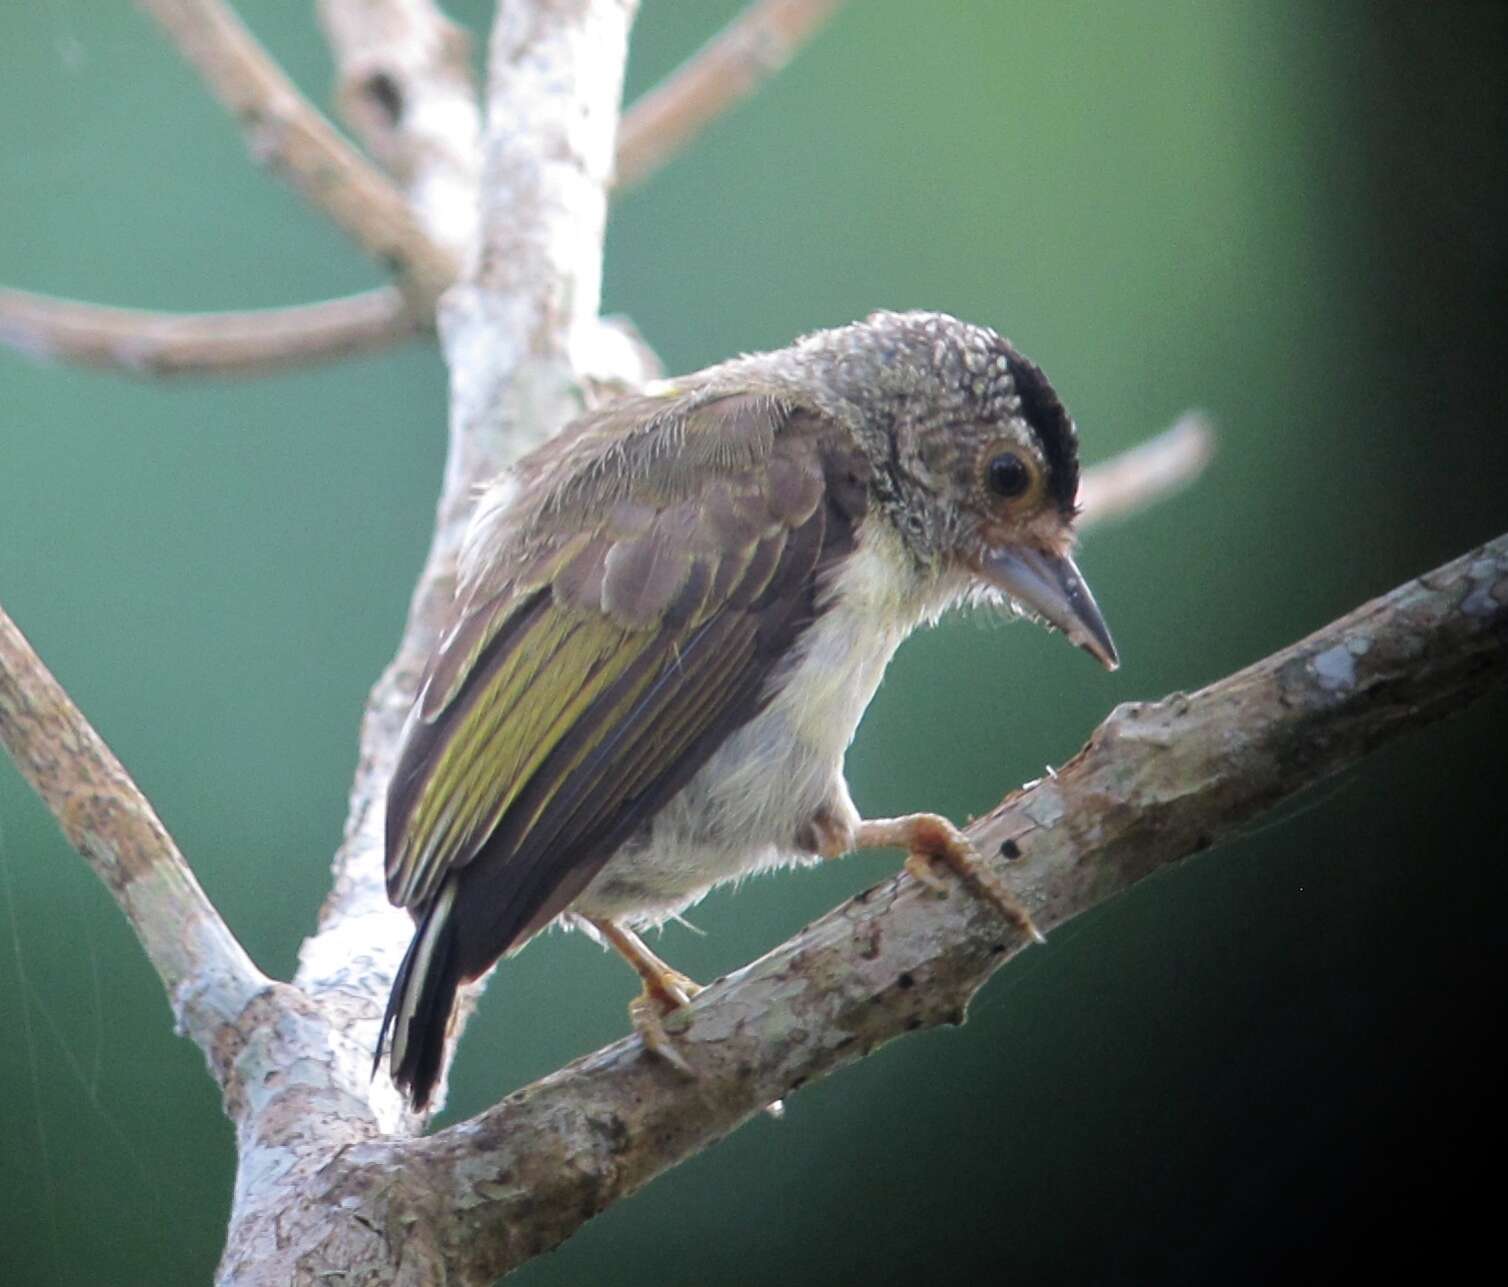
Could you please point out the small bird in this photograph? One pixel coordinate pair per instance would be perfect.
(668, 622)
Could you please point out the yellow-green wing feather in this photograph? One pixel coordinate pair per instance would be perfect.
(497, 736)
(565, 709)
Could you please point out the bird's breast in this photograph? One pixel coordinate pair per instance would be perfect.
(743, 809)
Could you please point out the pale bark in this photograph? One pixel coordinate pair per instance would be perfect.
(404, 84)
(729, 67)
(1157, 781)
(285, 133)
(136, 341)
(208, 977)
(334, 1182)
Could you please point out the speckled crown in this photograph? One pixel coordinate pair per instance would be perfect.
(896, 356)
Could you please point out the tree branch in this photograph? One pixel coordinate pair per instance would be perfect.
(1157, 782)
(521, 335)
(255, 342)
(208, 976)
(286, 133)
(730, 67)
(1147, 473)
(404, 84)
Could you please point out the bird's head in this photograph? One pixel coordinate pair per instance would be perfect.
(974, 460)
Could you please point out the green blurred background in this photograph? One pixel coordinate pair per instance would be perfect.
(1273, 1059)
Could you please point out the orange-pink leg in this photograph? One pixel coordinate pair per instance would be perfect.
(930, 839)
(665, 990)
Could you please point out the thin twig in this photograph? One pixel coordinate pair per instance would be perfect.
(404, 83)
(1147, 473)
(255, 342)
(730, 67)
(208, 976)
(286, 133)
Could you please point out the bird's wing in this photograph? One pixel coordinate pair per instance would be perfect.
(566, 706)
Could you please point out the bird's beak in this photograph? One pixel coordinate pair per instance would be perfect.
(1050, 586)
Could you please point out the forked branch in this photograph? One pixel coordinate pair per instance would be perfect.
(286, 133)
(331, 1181)
(404, 84)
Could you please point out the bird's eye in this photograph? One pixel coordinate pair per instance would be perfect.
(1009, 475)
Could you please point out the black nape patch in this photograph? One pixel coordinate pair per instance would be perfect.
(1045, 413)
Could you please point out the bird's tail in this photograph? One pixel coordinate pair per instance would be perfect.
(423, 996)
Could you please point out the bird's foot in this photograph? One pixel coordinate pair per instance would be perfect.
(666, 990)
(663, 995)
(931, 840)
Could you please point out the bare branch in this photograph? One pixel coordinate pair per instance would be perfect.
(1147, 473)
(287, 134)
(522, 337)
(208, 976)
(255, 342)
(730, 67)
(405, 85)
(1156, 782)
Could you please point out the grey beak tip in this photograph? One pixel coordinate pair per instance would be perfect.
(1103, 652)
(1049, 584)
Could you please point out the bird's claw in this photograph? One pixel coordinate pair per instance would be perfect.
(663, 995)
(931, 839)
(919, 865)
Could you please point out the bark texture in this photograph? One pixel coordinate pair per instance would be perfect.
(1157, 781)
(335, 1181)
